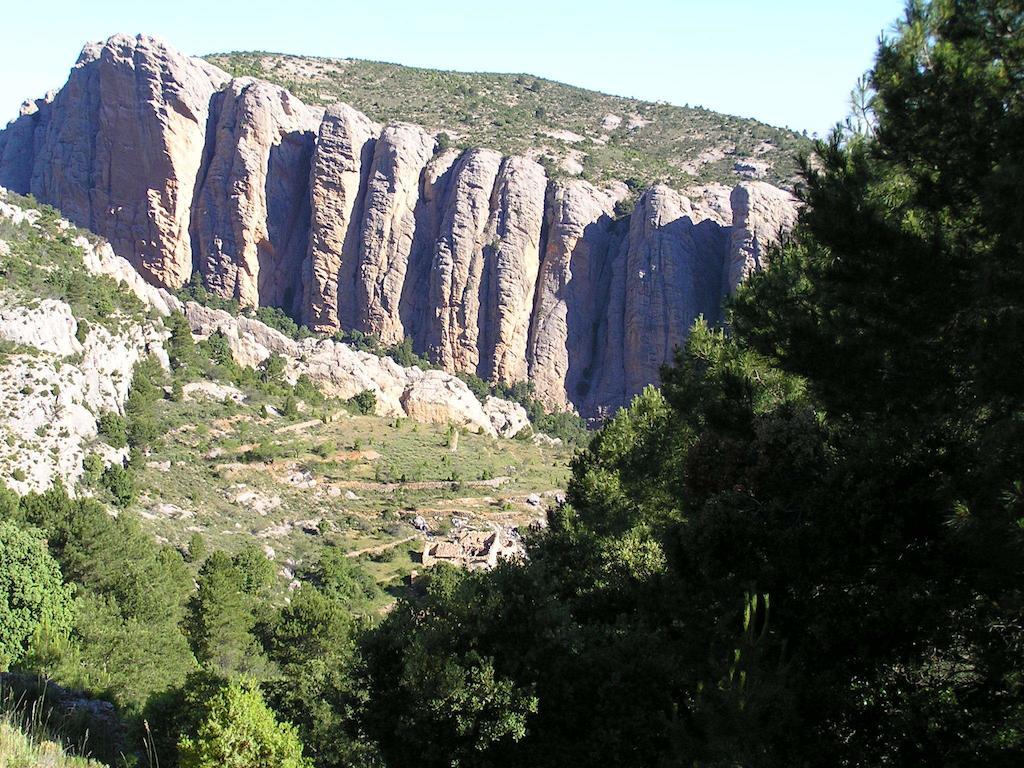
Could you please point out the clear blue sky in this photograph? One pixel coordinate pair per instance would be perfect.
(786, 62)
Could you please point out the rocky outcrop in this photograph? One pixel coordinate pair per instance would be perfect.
(60, 375)
(571, 294)
(340, 371)
(673, 265)
(49, 326)
(508, 418)
(488, 266)
(19, 143)
(250, 220)
(760, 212)
(53, 387)
(458, 267)
(341, 161)
(119, 147)
(511, 266)
(388, 230)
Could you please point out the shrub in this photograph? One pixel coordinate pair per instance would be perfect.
(364, 403)
(289, 407)
(271, 370)
(114, 429)
(238, 729)
(33, 595)
(120, 483)
(92, 469)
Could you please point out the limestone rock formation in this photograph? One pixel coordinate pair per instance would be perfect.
(458, 269)
(19, 143)
(674, 274)
(340, 371)
(571, 293)
(341, 161)
(49, 327)
(513, 233)
(508, 418)
(250, 221)
(760, 213)
(119, 147)
(388, 228)
(488, 266)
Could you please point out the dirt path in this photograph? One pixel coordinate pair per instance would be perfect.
(302, 425)
(379, 547)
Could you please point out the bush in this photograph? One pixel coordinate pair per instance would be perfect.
(196, 291)
(238, 729)
(275, 318)
(364, 342)
(340, 577)
(120, 483)
(92, 469)
(403, 354)
(114, 429)
(364, 403)
(271, 370)
(289, 407)
(33, 595)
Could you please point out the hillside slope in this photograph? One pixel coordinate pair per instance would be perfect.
(600, 137)
(203, 423)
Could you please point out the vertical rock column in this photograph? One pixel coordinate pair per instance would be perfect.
(19, 143)
(251, 214)
(121, 148)
(513, 232)
(570, 296)
(673, 275)
(340, 167)
(459, 261)
(760, 214)
(388, 229)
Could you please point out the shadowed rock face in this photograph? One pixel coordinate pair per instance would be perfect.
(569, 328)
(760, 213)
(486, 264)
(673, 275)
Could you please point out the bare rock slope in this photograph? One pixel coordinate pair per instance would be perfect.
(485, 263)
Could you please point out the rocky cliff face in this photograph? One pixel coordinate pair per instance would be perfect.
(488, 265)
(118, 149)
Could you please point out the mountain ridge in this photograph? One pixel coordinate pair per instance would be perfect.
(621, 136)
(490, 264)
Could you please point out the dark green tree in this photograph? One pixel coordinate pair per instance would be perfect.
(222, 617)
(314, 643)
(33, 596)
(808, 549)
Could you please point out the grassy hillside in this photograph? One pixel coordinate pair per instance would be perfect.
(237, 473)
(237, 457)
(571, 130)
(20, 750)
